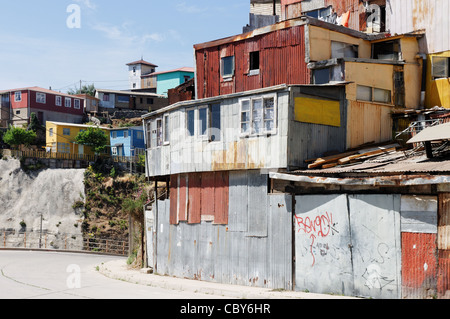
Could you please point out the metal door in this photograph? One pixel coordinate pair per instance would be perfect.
(322, 244)
(375, 227)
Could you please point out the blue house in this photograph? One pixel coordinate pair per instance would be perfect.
(127, 141)
(167, 80)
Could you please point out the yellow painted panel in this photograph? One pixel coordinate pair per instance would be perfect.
(317, 111)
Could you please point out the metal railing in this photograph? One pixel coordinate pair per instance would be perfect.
(50, 155)
(67, 242)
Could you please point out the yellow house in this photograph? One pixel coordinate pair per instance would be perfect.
(60, 138)
(438, 80)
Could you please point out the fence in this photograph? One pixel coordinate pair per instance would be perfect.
(70, 242)
(50, 155)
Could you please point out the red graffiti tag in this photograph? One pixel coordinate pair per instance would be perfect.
(320, 226)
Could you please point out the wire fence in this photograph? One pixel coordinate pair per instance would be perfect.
(67, 242)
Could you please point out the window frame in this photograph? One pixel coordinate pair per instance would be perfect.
(41, 98)
(372, 95)
(200, 134)
(65, 131)
(227, 76)
(166, 129)
(69, 104)
(58, 100)
(75, 104)
(446, 67)
(263, 120)
(188, 132)
(251, 67)
(18, 96)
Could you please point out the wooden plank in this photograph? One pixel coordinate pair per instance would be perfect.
(329, 159)
(194, 195)
(348, 159)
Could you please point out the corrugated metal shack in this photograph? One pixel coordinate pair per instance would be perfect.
(378, 228)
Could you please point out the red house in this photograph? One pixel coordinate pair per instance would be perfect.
(48, 105)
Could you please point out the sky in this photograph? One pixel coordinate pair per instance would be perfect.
(57, 44)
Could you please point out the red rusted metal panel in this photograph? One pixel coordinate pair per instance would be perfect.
(419, 265)
(282, 61)
(221, 192)
(207, 194)
(443, 284)
(173, 218)
(194, 195)
(182, 195)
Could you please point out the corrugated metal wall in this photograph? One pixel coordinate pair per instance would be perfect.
(444, 245)
(253, 249)
(282, 61)
(430, 15)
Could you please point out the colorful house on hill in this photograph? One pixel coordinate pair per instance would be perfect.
(60, 138)
(167, 80)
(127, 141)
(48, 105)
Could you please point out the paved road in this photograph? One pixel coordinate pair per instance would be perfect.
(51, 275)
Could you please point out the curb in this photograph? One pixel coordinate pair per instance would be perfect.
(120, 271)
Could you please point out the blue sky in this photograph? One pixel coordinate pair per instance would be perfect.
(39, 49)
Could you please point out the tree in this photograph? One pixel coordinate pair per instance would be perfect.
(93, 137)
(85, 89)
(16, 136)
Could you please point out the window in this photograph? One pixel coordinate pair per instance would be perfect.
(77, 104)
(254, 63)
(123, 99)
(440, 67)
(159, 132)
(343, 50)
(203, 121)
(258, 116)
(186, 78)
(227, 66)
(114, 151)
(215, 123)
(139, 135)
(388, 50)
(50, 132)
(367, 93)
(190, 122)
(18, 97)
(40, 98)
(150, 101)
(166, 129)
(67, 102)
(58, 101)
(114, 134)
(63, 148)
(66, 131)
(125, 134)
(106, 97)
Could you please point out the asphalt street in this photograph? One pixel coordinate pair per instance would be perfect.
(50, 275)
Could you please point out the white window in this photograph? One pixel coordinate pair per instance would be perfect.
(17, 96)
(77, 104)
(258, 115)
(367, 93)
(40, 98)
(166, 129)
(114, 151)
(58, 101)
(68, 102)
(227, 66)
(159, 132)
(125, 134)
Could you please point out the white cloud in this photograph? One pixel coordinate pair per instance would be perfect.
(184, 8)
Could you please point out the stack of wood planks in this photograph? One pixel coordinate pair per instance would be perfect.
(351, 157)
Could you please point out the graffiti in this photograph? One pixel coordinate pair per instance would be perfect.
(374, 279)
(320, 226)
